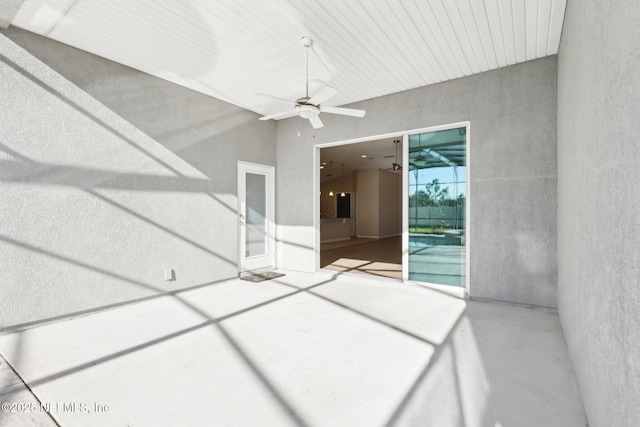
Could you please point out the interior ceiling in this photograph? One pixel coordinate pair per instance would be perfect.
(380, 154)
(234, 50)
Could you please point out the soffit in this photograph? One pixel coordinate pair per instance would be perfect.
(234, 50)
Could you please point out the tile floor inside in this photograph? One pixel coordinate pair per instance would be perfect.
(324, 349)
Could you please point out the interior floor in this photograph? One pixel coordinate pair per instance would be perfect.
(322, 349)
(377, 257)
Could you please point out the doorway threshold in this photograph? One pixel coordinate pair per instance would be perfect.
(359, 274)
(454, 291)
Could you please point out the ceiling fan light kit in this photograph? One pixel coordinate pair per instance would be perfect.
(310, 107)
(307, 111)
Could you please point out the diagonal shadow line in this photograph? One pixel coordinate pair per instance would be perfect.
(82, 177)
(121, 353)
(158, 225)
(402, 406)
(369, 273)
(15, 154)
(457, 383)
(100, 122)
(222, 203)
(37, 323)
(360, 313)
(77, 263)
(210, 321)
(291, 412)
(86, 113)
(20, 387)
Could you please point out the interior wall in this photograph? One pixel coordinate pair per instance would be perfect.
(390, 204)
(108, 177)
(344, 183)
(599, 205)
(512, 112)
(368, 220)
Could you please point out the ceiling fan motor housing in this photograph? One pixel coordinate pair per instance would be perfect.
(306, 111)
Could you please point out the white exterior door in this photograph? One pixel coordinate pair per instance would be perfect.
(256, 217)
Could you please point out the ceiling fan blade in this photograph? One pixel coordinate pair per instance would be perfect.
(343, 111)
(316, 122)
(280, 115)
(323, 95)
(266, 95)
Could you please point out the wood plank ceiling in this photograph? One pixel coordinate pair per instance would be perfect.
(233, 50)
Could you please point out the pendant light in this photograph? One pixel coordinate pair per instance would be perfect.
(342, 194)
(331, 173)
(396, 166)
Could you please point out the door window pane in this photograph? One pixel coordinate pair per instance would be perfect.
(437, 198)
(256, 221)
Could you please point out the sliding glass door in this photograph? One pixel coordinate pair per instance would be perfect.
(436, 209)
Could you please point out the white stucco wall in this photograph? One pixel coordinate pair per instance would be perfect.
(94, 206)
(599, 205)
(512, 112)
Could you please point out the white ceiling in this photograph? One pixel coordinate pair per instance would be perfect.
(233, 49)
(380, 154)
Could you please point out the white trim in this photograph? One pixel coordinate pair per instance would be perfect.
(405, 207)
(405, 194)
(405, 245)
(386, 135)
(316, 205)
(270, 180)
(467, 211)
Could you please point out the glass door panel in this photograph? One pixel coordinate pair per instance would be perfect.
(437, 199)
(256, 244)
(256, 224)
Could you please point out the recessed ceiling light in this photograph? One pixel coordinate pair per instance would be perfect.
(364, 155)
(324, 163)
(321, 167)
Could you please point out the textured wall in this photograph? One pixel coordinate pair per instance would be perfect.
(599, 205)
(512, 173)
(108, 176)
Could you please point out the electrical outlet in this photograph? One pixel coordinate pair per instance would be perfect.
(169, 275)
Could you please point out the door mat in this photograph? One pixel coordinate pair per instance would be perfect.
(261, 277)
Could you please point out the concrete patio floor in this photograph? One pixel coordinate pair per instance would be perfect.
(324, 349)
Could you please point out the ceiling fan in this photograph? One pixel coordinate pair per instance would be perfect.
(395, 166)
(309, 107)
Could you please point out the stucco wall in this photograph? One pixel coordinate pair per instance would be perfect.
(512, 174)
(599, 205)
(108, 176)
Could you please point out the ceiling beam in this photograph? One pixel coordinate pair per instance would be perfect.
(8, 10)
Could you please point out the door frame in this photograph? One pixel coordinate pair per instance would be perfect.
(405, 198)
(269, 260)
